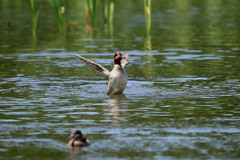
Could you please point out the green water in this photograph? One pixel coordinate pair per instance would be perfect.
(182, 100)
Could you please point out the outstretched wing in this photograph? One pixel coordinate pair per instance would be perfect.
(94, 65)
(124, 61)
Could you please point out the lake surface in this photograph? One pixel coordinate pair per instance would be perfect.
(182, 100)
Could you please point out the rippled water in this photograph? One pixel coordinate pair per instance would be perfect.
(182, 99)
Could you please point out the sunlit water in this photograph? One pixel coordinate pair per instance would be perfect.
(182, 99)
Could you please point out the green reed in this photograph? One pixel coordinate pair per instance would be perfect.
(111, 11)
(34, 17)
(60, 12)
(147, 10)
(92, 11)
(108, 10)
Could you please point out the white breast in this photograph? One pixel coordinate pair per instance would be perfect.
(117, 80)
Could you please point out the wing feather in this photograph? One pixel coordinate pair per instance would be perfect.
(94, 65)
(124, 61)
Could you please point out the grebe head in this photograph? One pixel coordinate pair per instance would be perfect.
(75, 134)
(118, 57)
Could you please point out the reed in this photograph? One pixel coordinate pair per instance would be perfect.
(92, 7)
(147, 10)
(111, 11)
(148, 42)
(91, 10)
(34, 17)
(108, 10)
(105, 6)
(60, 12)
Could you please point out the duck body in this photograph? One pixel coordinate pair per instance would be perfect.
(117, 80)
(117, 77)
(77, 139)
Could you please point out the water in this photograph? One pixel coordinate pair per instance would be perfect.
(181, 101)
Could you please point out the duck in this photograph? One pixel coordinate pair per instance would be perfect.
(117, 78)
(77, 139)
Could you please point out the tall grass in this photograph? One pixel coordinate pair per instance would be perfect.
(108, 9)
(111, 11)
(34, 17)
(60, 12)
(91, 10)
(148, 42)
(147, 10)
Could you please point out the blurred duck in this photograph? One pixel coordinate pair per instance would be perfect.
(117, 77)
(76, 139)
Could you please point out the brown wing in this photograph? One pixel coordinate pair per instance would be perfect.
(94, 65)
(124, 61)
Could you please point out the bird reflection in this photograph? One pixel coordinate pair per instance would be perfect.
(115, 104)
(75, 151)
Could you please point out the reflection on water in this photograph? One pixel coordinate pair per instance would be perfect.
(116, 108)
(75, 151)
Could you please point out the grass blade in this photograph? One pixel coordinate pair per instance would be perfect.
(92, 11)
(147, 10)
(34, 17)
(60, 12)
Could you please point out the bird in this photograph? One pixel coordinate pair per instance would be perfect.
(117, 78)
(76, 139)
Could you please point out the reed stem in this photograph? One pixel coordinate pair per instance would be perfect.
(108, 10)
(34, 17)
(111, 11)
(105, 8)
(60, 12)
(147, 10)
(92, 11)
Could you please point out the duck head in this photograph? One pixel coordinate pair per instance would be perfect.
(75, 134)
(117, 58)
